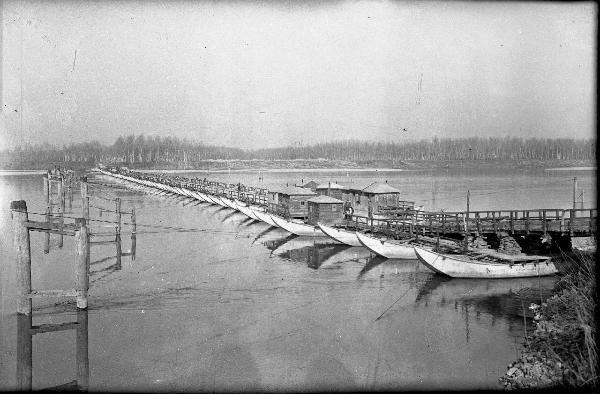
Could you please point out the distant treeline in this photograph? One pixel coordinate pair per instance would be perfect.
(141, 150)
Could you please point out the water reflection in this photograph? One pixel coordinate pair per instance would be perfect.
(25, 332)
(316, 252)
(507, 299)
(117, 265)
(262, 233)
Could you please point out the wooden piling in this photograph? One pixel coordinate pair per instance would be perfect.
(47, 234)
(23, 255)
(133, 246)
(81, 349)
(61, 200)
(118, 214)
(85, 201)
(47, 188)
(133, 222)
(118, 250)
(24, 353)
(82, 272)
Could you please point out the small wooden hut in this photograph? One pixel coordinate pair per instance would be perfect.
(325, 209)
(381, 195)
(353, 193)
(290, 201)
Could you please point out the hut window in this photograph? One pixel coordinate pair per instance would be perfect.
(301, 202)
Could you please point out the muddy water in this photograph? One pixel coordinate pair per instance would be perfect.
(215, 302)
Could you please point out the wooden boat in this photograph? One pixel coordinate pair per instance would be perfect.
(339, 235)
(197, 195)
(297, 228)
(228, 202)
(246, 210)
(205, 197)
(387, 248)
(216, 200)
(263, 216)
(486, 264)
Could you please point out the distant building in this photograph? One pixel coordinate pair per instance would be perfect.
(310, 185)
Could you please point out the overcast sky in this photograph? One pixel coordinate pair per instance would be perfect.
(273, 73)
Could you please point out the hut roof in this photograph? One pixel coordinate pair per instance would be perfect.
(332, 185)
(309, 185)
(325, 200)
(380, 188)
(293, 191)
(359, 185)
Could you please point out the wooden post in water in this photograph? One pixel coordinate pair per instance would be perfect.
(466, 240)
(118, 249)
(133, 223)
(69, 192)
(47, 187)
(61, 207)
(575, 193)
(47, 233)
(85, 201)
(24, 353)
(85, 207)
(82, 270)
(23, 254)
(133, 246)
(81, 349)
(118, 215)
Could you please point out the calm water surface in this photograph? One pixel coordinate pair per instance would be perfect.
(215, 302)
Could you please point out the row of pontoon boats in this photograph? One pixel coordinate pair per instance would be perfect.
(470, 264)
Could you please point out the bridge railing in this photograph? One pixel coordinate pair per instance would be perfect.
(528, 220)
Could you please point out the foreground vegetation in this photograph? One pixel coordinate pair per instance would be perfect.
(562, 349)
(157, 152)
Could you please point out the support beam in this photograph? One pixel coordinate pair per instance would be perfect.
(23, 255)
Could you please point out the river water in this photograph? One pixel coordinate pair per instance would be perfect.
(212, 301)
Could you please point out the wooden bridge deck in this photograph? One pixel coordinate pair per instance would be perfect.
(567, 221)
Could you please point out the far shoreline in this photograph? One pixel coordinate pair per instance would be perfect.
(307, 166)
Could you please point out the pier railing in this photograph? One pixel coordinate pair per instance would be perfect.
(571, 221)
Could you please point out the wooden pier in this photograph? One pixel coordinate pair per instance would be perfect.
(403, 221)
(573, 222)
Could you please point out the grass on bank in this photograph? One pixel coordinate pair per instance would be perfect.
(562, 349)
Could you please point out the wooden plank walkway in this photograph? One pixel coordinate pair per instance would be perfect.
(581, 222)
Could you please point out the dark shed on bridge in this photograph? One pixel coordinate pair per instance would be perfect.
(290, 201)
(325, 209)
(381, 195)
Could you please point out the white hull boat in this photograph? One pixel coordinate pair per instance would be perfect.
(298, 228)
(228, 202)
(495, 265)
(247, 211)
(339, 235)
(263, 216)
(387, 248)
